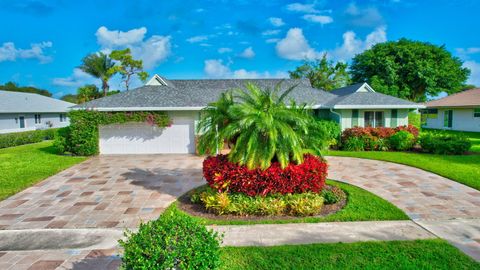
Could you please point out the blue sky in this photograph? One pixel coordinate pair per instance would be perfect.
(42, 42)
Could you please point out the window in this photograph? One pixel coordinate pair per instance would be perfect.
(38, 119)
(22, 121)
(354, 118)
(374, 119)
(448, 118)
(476, 112)
(63, 118)
(393, 118)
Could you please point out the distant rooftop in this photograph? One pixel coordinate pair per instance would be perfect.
(468, 98)
(19, 102)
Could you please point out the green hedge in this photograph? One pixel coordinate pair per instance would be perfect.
(26, 137)
(444, 143)
(81, 137)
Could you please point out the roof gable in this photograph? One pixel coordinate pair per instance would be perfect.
(354, 88)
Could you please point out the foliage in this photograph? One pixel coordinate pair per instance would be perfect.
(26, 137)
(81, 137)
(224, 203)
(128, 66)
(99, 65)
(409, 69)
(354, 144)
(260, 127)
(323, 74)
(370, 138)
(323, 134)
(444, 143)
(87, 93)
(72, 98)
(414, 119)
(223, 175)
(401, 141)
(417, 254)
(13, 87)
(26, 165)
(174, 241)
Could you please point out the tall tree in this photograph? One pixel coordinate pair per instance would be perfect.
(13, 87)
(323, 74)
(128, 66)
(409, 69)
(88, 92)
(99, 65)
(70, 98)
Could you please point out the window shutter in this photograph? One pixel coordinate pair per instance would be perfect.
(393, 118)
(354, 118)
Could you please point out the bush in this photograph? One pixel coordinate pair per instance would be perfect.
(174, 241)
(401, 140)
(414, 119)
(354, 144)
(26, 137)
(223, 203)
(330, 130)
(444, 143)
(372, 138)
(411, 129)
(223, 175)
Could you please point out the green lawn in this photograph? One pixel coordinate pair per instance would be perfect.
(361, 206)
(23, 166)
(420, 254)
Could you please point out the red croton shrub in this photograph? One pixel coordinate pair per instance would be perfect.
(224, 175)
(371, 136)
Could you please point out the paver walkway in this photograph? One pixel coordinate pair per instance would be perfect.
(118, 192)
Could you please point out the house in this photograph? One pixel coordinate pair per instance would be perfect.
(460, 111)
(356, 105)
(26, 111)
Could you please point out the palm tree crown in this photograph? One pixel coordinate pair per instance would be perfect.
(99, 65)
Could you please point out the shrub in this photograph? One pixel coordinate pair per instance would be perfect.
(307, 204)
(444, 143)
(402, 140)
(224, 175)
(411, 129)
(330, 131)
(414, 119)
(354, 144)
(373, 138)
(174, 241)
(26, 137)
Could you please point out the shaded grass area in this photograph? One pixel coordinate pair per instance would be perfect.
(464, 169)
(361, 206)
(23, 166)
(419, 254)
(474, 137)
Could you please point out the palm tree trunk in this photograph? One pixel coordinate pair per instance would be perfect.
(105, 87)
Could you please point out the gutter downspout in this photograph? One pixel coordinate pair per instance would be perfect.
(339, 117)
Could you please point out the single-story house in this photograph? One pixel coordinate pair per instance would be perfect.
(356, 105)
(460, 111)
(26, 111)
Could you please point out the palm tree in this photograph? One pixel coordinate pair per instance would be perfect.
(262, 128)
(99, 65)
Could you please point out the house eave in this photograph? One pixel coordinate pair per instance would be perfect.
(133, 109)
(379, 106)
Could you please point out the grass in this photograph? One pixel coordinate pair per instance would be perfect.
(361, 206)
(419, 254)
(23, 166)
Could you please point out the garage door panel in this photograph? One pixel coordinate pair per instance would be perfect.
(140, 138)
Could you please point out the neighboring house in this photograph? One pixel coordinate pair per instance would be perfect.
(460, 111)
(26, 111)
(356, 105)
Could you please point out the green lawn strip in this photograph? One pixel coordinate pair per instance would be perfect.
(464, 169)
(23, 166)
(419, 254)
(473, 136)
(361, 206)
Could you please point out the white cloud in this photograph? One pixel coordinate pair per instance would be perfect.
(214, 68)
(465, 53)
(272, 40)
(298, 7)
(196, 39)
(367, 17)
(352, 45)
(277, 22)
(77, 79)
(322, 19)
(8, 52)
(295, 46)
(247, 53)
(224, 50)
(270, 32)
(151, 51)
(475, 72)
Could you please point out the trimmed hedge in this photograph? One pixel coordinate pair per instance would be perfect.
(223, 175)
(444, 143)
(81, 137)
(378, 139)
(174, 241)
(26, 137)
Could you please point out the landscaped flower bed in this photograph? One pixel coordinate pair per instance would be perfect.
(379, 139)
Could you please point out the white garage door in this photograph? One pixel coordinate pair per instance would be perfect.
(141, 138)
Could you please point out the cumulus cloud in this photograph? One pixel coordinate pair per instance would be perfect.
(277, 22)
(352, 45)
(299, 7)
(8, 52)
(214, 68)
(77, 79)
(247, 53)
(151, 51)
(365, 17)
(295, 46)
(475, 72)
(196, 39)
(321, 19)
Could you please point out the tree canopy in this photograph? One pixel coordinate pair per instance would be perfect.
(409, 69)
(99, 65)
(127, 66)
(323, 74)
(13, 87)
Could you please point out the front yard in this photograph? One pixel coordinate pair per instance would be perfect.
(23, 166)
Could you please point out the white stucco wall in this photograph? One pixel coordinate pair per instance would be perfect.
(9, 124)
(346, 121)
(463, 120)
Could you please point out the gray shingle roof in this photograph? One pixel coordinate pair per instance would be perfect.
(370, 99)
(347, 89)
(198, 93)
(18, 102)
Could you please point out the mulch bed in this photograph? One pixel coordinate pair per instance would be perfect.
(198, 210)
